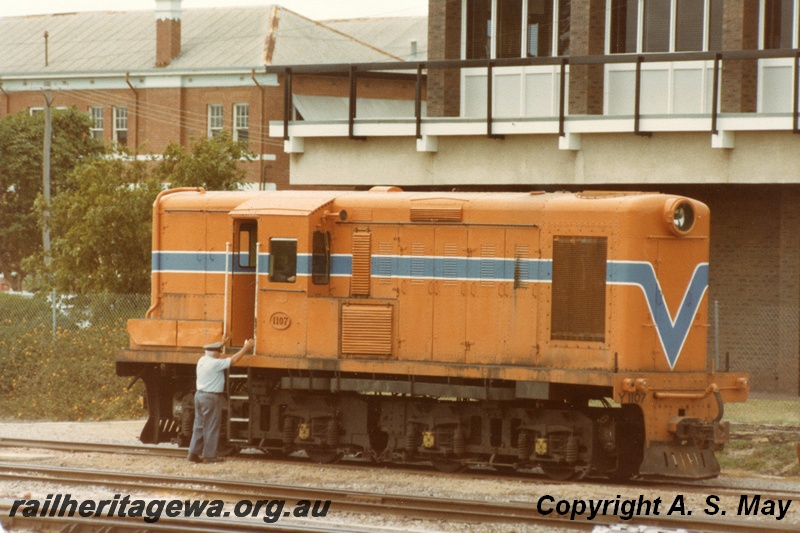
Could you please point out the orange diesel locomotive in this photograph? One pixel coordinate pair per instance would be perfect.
(562, 331)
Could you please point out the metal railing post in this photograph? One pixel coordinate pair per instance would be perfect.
(637, 103)
(418, 102)
(562, 98)
(715, 96)
(796, 96)
(287, 102)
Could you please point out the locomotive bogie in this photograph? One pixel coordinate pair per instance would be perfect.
(561, 331)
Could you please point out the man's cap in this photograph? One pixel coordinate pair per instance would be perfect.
(213, 347)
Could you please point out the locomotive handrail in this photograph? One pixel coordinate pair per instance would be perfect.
(686, 395)
(228, 267)
(711, 389)
(155, 290)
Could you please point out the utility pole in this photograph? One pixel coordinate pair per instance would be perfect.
(48, 135)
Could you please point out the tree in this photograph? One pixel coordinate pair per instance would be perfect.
(101, 220)
(212, 163)
(101, 228)
(21, 148)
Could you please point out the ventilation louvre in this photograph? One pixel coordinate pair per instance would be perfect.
(367, 330)
(362, 264)
(450, 213)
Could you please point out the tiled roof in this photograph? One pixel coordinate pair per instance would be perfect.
(211, 39)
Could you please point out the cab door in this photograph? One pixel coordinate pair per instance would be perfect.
(243, 285)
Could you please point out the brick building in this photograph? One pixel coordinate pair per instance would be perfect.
(147, 80)
(695, 97)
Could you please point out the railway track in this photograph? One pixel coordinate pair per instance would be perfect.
(731, 487)
(450, 510)
(366, 503)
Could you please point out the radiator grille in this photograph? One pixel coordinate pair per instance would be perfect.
(579, 288)
(436, 214)
(362, 268)
(366, 330)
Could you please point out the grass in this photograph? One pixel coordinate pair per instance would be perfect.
(765, 435)
(765, 411)
(766, 456)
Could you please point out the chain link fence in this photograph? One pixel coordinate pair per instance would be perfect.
(57, 352)
(57, 356)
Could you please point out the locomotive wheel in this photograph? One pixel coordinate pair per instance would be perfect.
(322, 456)
(448, 466)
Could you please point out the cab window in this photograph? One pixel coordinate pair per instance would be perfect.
(321, 258)
(247, 246)
(283, 260)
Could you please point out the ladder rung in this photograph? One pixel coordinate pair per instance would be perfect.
(240, 398)
(237, 376)
(240, 420)
(238, 440)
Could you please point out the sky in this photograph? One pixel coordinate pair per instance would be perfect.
(314, 9)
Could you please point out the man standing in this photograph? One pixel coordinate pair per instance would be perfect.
(208, 400)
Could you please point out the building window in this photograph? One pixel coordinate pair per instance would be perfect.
(656, 26)
(778, 18)
(241, 120)
(520, 28)
(624, 19)
(214, 119)
(96, 115)
(479, 29)
(121, 125)
(639, 26)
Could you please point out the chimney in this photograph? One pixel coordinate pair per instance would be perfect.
(168, 31)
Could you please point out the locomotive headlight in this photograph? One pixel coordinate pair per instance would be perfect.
(680, 216)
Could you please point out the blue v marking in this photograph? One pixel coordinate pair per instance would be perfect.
(671, 332)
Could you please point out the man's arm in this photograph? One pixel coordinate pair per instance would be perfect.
(248, 345)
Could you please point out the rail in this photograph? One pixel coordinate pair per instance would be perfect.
(414, 70)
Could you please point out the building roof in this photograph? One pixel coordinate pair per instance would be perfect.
(211, 39)
(404, 37)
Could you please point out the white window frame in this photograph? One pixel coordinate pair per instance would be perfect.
(215, 119)
(120, 124)
(241, 121)
(523, 52)
(672, 22)
(34, 110)
(762, 10)
(98, 122)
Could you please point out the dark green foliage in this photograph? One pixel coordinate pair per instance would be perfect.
(21, 149)
(101, 228)
(212, 163)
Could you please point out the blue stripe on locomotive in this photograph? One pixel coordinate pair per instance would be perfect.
(672, 332)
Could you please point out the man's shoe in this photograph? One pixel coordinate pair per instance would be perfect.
(213, 459)
(194, 458)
